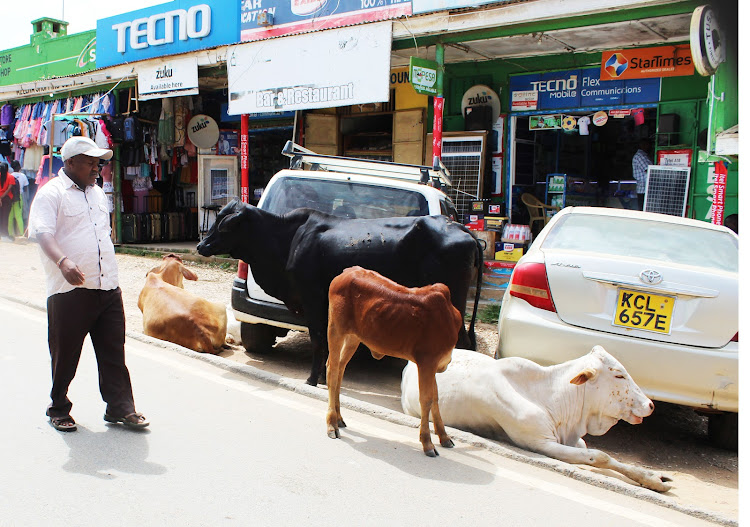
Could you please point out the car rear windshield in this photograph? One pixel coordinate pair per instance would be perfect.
(632, 237)
(344, 199)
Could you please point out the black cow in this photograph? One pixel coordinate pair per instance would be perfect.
(295, 257)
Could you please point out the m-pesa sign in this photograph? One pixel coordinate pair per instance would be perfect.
(167, 29)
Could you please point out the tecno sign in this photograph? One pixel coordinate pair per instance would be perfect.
(159, 29)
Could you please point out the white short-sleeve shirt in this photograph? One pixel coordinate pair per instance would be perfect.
(79, 222)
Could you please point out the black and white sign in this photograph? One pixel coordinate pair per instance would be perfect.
(325, 69)
(170, 78)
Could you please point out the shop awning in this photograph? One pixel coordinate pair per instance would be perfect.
(540, 28)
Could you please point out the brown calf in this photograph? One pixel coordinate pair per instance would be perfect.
(418, 324)
(173, 314)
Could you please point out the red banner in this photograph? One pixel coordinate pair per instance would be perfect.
(437, 128)
(720, 188)
(244, 160)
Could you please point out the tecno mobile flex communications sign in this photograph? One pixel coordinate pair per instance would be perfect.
(167, 29)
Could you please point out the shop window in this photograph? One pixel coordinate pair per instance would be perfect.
(368, 136)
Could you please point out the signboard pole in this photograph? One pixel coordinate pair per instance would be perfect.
(244, 161)
(439, 102)
(244, 176)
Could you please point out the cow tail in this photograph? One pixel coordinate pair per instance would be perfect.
(480, 270)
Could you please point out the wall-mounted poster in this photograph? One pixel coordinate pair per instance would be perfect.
(545, 122)
(228, 144)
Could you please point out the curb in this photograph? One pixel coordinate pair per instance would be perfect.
(507, 451)
(189, 256)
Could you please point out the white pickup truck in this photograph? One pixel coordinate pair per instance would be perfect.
(345, 187)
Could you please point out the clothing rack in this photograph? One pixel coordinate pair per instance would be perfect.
(51, 133)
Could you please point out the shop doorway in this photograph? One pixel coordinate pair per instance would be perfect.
(597, 165)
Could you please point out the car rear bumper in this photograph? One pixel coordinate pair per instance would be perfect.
(254, 311)
(686, 375)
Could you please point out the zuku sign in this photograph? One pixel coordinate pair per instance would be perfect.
(167, 29)
(261, 19)
(642, 63)
(57, 57)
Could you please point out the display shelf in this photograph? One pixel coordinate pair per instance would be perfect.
(563, 190)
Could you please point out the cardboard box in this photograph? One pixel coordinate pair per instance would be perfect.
(474, 222)
(494, 223)
(489, 237)
(495, 280)
(509, 252)
(478, 207)
(494, 209)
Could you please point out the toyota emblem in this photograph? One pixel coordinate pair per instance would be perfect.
(651, 277)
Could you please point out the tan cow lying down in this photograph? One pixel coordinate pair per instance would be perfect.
(418, 324)
(173, 314)
(544, 409)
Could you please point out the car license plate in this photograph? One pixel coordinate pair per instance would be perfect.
(639, 310)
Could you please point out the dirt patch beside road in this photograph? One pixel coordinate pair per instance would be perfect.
(673, 440)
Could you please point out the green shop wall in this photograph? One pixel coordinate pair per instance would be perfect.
(58, 57)
(685, 96)
(496, 74)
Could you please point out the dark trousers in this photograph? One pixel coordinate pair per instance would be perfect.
(73, 315)
(4, 215)
(641, 198)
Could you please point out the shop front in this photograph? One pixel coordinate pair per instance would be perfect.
(572, 136)
(179, 158)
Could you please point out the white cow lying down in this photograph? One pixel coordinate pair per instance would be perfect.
(543, 409)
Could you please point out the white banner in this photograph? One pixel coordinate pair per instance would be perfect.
(338, 67)
(169, 78)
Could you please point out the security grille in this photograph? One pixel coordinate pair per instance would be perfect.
(667, 190)
(462, 156)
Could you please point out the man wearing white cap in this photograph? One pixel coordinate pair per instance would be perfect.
(69, 217)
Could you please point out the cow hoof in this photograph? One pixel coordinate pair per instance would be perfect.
(431, 453)
(658, 483)
(312, 381)
(448, 443)
(334, 434)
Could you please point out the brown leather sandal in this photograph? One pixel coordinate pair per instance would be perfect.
(63, 424)
(134, 420)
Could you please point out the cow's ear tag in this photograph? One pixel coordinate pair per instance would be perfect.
(228, 223)
(585, 375)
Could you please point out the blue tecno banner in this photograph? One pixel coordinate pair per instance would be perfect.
(261, 19)
(167, 29)
(582, 88)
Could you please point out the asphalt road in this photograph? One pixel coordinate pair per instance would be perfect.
(225, 448)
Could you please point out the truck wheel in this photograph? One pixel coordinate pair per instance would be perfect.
(258, 338)
(722, 430)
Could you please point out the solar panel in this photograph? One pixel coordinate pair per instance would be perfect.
(462, 156)
(667, 190)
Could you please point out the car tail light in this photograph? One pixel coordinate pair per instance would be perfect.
(736, 337)
(242, 270)
(530, 283)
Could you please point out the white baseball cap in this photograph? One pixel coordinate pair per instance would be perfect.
(77, 145)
